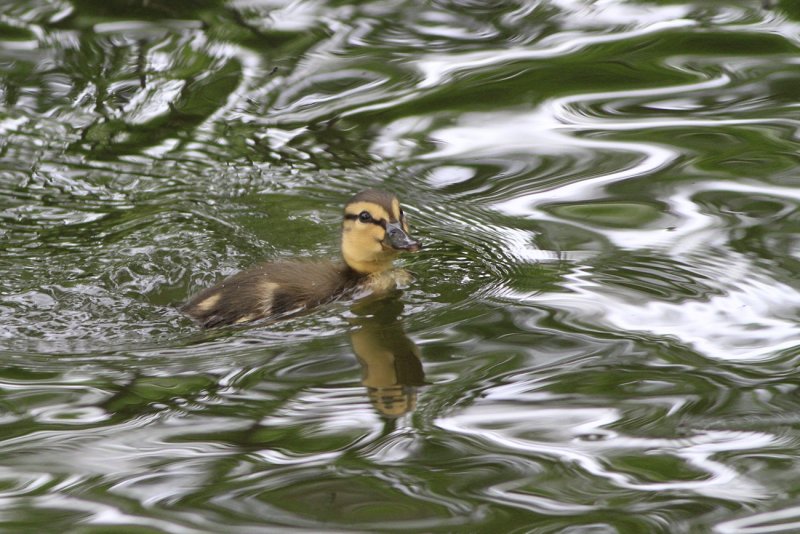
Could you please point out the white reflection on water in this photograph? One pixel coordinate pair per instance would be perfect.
(326, 412)
(438, 68)
(752, 319)
(610, 13)
(558, 432)
(783, 520)
(539, 132)
(446, 175)
(154, 100)
(510, 493)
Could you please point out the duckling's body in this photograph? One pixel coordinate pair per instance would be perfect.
(374, 231)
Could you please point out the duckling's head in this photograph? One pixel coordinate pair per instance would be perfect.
(374, 231)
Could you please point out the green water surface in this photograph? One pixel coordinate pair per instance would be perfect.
(602, 332)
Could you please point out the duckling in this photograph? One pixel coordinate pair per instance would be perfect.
(374, 232)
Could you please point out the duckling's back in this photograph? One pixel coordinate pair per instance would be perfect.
(270, 290)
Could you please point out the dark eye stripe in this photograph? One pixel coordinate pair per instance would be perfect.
(354, 217)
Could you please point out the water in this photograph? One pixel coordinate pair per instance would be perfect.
(602, 334)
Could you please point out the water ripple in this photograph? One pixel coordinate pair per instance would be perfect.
(437, 68)
(605, 307)
(533, 431)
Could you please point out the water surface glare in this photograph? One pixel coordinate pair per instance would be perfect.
(602, 330)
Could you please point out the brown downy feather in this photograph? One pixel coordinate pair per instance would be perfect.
(270, 290)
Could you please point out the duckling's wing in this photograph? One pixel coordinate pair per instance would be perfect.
(240, 298)
(268, 290)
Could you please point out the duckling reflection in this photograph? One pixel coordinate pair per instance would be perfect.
(392, 369)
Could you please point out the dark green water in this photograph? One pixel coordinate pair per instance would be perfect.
(605, 317)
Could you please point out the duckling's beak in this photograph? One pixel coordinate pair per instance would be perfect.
(398, 239)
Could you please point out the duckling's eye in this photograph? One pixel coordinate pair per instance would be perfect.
(364, 217)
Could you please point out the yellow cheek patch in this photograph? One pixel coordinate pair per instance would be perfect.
(355, 232)
(366, 235)
(396, 209)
